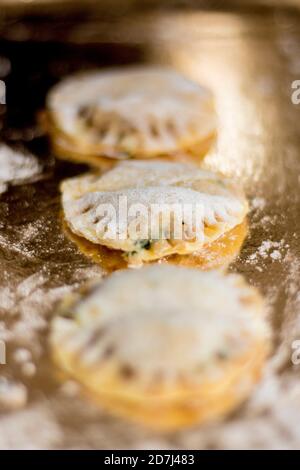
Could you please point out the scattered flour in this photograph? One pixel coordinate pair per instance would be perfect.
(22, 355)
(35, 428)
(70, 388)
(16, 167)
(29, 303)
(267, 246)
(258, 203)
(29, 369)
(276, 255)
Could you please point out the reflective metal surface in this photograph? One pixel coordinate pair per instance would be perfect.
(250, 62)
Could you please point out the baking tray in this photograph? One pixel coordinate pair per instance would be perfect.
(250, 60)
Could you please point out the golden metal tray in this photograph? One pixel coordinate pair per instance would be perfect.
(250, 61)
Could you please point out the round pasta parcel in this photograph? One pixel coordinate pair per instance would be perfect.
(166, 346)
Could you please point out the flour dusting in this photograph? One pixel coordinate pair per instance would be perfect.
(16, 167)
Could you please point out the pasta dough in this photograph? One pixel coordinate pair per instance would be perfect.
(166, 345)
